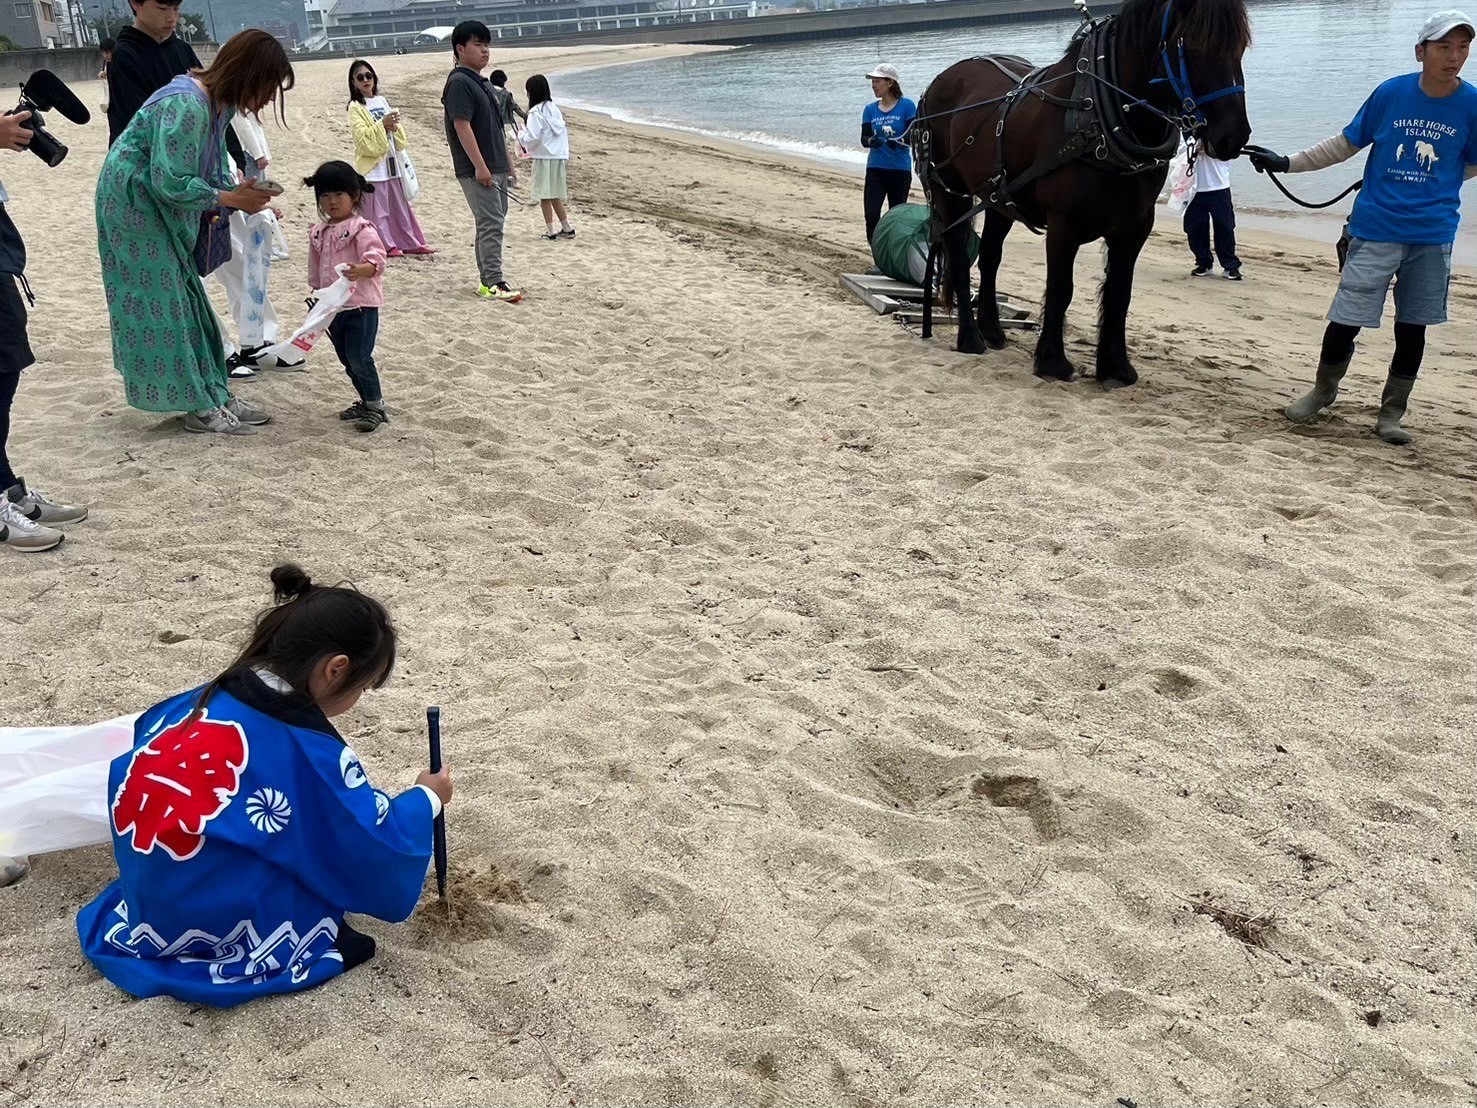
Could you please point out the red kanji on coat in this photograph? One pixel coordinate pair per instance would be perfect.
(177, 782)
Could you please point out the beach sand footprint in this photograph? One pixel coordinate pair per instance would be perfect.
(1025, 794)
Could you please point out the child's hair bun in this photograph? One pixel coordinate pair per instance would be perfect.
(289, 582)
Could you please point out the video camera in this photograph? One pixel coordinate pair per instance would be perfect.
(42, 92)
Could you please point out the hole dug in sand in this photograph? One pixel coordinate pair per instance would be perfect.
(473, 887)
(1026, 794)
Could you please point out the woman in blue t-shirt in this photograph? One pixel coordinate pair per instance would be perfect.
(885, 125)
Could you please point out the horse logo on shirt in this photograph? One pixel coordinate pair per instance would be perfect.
(1425, 155)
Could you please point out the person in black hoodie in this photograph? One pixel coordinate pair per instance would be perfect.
(146, 57)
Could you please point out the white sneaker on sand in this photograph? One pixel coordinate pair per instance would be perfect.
(25, 535)
(217, 421)
(36, 506)
(248, 414)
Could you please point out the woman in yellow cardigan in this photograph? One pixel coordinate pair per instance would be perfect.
(380, 147)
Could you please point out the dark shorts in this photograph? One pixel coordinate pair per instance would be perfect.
(15, 348)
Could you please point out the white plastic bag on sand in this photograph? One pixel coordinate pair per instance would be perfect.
(54, 785)
(327, 304)
(1182, 183)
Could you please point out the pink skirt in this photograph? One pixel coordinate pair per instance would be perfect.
(389, 211)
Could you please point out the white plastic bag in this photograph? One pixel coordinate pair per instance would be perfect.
(327, 304)
(280, 252)
(1182, 183)
(409, 179)
(54, 785)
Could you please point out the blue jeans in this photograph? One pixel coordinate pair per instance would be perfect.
(1422, 275)
(353, 333)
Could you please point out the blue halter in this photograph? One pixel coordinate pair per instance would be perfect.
(1178, 79)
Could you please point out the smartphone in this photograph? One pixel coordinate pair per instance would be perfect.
(271, 188)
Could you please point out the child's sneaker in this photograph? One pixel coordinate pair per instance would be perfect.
(20, 533)
(353, 411)
(36, 506)
(370, 419)
(567, 233)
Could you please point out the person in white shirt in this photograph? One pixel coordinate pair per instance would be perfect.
(1212, 208)
(545, 139)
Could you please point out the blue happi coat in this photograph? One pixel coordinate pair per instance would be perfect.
(242, 838)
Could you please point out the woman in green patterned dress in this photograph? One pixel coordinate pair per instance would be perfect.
(152, 191)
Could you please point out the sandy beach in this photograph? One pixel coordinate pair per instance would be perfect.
(836, 719)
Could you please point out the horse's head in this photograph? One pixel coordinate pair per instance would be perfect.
(1197, 46)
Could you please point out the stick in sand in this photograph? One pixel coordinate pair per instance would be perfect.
(433, 725)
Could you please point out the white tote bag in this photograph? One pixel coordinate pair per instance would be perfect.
(54, 785)
(409, 179)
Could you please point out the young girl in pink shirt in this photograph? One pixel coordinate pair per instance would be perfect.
(346, 238)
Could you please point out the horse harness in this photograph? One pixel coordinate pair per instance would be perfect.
(1097, 127)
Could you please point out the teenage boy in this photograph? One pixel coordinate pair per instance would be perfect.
(1423, 127)
(146, 57)
(479, 153)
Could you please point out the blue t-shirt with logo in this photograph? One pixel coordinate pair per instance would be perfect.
(893, 124)
(1413, 180)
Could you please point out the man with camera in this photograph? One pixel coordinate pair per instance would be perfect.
(25, 514)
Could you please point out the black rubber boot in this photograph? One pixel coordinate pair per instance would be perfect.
(1392, 410)
(1325, 392)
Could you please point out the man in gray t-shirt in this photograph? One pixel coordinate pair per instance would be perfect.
(479, 154)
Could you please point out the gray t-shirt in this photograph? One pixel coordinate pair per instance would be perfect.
(468, 95)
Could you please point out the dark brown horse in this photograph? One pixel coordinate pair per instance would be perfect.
(1079, 148)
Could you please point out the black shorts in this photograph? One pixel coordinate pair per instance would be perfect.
(15, 348)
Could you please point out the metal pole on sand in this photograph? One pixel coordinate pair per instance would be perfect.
(433, 726)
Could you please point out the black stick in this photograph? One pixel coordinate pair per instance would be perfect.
(433, 725)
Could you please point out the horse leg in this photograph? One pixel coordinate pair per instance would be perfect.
(1051, 353)
(992, 243)
(1114, 370)
(956, 249)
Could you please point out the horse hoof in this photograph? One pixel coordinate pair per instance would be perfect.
(995, 340)
(971, 344)
(1062, 372)
(1109, 383)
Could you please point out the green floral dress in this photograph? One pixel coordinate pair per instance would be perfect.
(166, 341)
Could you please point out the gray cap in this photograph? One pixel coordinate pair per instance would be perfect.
(1443, 23)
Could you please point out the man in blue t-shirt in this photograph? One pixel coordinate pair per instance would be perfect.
(1423, 130)
(885, 124)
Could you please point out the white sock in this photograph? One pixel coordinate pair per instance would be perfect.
(553, 228)
(567, 226)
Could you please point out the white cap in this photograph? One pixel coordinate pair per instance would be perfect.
(1443, 23)
(886, 72)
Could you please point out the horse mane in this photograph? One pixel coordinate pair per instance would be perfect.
(1214, 29)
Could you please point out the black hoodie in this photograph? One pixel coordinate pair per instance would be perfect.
(141, 67)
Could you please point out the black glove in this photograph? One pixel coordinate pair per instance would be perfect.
(876, 142)
(1263, 159)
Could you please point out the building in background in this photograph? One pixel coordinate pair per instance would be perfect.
(344, 26)
(30, 24)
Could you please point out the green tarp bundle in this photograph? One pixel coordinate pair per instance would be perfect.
(900, 243)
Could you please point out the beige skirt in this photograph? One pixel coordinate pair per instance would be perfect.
(550, 181)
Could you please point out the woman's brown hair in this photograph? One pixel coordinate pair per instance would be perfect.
(251, 67)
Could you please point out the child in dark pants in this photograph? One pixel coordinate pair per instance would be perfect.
(345, 238)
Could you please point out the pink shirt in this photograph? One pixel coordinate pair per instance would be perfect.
(352, 242)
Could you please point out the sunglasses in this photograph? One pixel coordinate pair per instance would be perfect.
(364, 77)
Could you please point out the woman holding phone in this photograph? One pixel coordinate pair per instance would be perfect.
(380, 154)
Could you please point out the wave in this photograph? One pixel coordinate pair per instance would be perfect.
(826, 152)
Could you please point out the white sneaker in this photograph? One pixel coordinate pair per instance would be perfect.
(217, 421)
(36, 506)
(249, 414)
(25, 535)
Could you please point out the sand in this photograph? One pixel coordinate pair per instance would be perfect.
(836, 719)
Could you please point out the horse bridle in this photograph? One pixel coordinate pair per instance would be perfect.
(1191, 119)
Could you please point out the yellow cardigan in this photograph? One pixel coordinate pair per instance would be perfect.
(371, 140)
